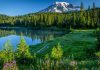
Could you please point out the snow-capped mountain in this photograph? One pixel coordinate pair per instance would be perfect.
(61, 7)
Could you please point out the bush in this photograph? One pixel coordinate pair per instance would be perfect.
(10, 66)
(97, 54)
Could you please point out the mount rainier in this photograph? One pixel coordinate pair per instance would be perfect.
(61, 7)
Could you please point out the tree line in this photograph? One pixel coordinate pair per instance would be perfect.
(82, 19)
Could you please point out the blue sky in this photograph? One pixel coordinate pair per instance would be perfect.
(20, 7)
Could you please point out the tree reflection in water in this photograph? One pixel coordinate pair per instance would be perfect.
(32, 37)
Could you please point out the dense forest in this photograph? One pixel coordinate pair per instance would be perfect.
(82, 19)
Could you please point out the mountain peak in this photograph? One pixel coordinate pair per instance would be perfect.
(61, 7)
(61, 3)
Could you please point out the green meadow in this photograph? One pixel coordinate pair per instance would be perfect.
(79, 45)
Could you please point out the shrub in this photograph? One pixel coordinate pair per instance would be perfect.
(97, 54)
(46, 56)
(10, 66)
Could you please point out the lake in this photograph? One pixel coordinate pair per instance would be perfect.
(32, 37)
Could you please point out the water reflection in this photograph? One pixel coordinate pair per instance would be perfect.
(32, 37)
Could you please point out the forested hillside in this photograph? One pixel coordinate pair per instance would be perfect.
(83, 19)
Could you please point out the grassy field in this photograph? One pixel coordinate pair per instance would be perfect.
(78, 45)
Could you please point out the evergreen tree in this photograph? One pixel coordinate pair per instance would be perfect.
(94, 5)
(23, 49)
(89, 7)
(94, 12)
(57, 52)
(88, 19)
(82, 6)
(7, 52)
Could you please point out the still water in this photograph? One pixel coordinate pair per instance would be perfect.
(32, 37)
